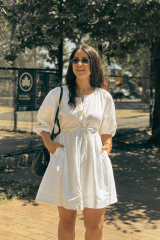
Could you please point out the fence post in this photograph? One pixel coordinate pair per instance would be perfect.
(32, 123)
(15, 63)
(15, 102)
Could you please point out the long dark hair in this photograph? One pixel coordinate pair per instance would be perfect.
(96, 77)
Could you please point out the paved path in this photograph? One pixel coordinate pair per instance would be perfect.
(15, 142)
(136, 216)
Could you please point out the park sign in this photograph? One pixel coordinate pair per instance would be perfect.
(33, 86)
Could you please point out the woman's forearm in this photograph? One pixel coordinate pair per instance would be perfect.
(107, 142)
(46, 138)
(50, 145)
(106, 139)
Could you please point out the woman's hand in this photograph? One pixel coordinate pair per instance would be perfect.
(107, 142)
(53, 146)
(107, 148)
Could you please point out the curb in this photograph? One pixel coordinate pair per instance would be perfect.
(15, 161)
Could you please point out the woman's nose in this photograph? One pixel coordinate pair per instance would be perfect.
(80, 62)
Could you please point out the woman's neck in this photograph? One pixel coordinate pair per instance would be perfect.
(83, 85)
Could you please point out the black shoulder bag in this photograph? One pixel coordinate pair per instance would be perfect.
(42, 157)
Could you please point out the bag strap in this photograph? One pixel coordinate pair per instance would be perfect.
(56, 117)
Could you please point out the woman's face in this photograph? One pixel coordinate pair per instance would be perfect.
(80, 69)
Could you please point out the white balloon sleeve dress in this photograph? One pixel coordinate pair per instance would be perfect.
(80, 175)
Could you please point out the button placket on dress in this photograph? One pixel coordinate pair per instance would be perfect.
(83, 128)
(81, 112)
(84, 145)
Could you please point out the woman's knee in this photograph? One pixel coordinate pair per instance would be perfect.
(95, 229)
(67, 218)
(68, 223)
(94, 220)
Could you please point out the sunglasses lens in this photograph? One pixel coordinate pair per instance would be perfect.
(75, 60)
(85, 61)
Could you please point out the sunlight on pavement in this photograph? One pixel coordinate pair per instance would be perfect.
(6, 109)
(130, 113)
(20, 124)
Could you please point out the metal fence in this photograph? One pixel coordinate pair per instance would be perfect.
(134, 101)
(16, 127)
(131, 112)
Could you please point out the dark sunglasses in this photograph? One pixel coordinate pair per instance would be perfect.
(83, 60)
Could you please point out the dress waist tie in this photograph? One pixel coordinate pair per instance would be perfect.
(86, 131)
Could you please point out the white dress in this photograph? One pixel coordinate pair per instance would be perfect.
(80, 175)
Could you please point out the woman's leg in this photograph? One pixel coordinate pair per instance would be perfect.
(93, 222)
(66, 227)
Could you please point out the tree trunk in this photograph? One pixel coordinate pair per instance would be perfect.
(100, 50)
(145, 77)
(155, 65)
(60, 60)
(79, 39)
(60, 47)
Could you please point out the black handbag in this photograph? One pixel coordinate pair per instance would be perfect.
(42, 157)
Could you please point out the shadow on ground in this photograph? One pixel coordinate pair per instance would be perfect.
(137, 178)
(11, 142)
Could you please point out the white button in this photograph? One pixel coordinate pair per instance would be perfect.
(81, 111)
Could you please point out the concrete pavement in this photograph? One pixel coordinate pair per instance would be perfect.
(135, 216)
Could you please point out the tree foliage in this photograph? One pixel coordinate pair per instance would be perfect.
(45, 23)
(124, 24)
(128, 25)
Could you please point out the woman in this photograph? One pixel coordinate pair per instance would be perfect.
(79, 175)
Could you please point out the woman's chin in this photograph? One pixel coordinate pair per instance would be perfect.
(81, 75)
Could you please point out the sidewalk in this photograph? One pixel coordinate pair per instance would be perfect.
(135, 216)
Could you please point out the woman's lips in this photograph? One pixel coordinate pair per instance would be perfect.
(80, 70)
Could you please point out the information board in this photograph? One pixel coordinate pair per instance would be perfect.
(33, 86)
